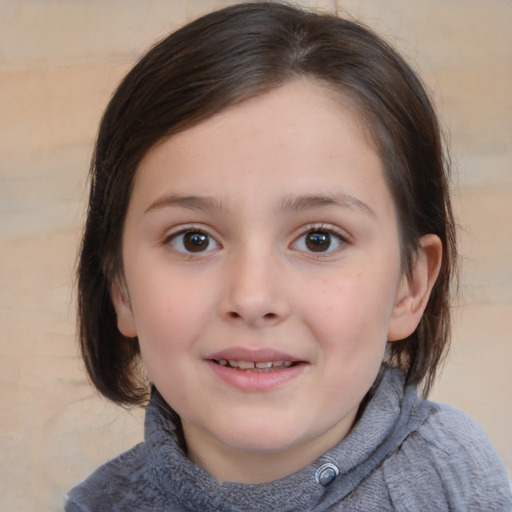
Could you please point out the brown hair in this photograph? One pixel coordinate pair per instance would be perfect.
(224, 58)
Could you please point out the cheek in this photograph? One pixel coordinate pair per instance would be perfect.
(169, 326)
(352, 333)
(169, 313)
(353, 312)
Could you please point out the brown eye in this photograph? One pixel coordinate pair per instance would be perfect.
(193, 242)
(317, 241)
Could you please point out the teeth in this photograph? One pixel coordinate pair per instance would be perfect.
(243, 365)
(258, 366)
(267, 364)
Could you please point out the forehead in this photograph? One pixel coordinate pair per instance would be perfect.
(301, 137)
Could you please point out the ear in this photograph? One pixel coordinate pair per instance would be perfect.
(123, 309)
(414, 290)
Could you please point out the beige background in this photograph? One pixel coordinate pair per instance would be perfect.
(60, 60)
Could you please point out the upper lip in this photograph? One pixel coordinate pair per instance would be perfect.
(258, 355)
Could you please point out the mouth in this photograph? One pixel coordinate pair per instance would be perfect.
(255, 366)
(257, 370)
(256, 374)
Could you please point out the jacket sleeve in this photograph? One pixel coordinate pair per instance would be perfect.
(72, 506)
(448, 464)
(123, 483)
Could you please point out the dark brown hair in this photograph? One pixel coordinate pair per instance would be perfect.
(225, 58)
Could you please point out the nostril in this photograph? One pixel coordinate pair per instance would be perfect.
(267, 316)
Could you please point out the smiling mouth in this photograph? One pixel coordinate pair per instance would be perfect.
(251, 366)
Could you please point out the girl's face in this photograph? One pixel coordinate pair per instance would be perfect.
(263, 279)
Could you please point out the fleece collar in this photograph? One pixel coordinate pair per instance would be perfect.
(392, 413)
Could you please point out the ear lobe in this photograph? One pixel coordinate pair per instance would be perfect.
(123, 309)
(414, 290)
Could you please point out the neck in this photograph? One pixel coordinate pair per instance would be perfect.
(230, 464)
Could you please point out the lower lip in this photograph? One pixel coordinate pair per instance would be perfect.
(254, 381)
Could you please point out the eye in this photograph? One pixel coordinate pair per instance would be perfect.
(319, 241)
(193, 241)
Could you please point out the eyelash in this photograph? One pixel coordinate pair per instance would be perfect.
(323, 229)
(172, 238)
(339, 236)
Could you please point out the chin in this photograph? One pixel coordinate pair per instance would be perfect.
(270, 438)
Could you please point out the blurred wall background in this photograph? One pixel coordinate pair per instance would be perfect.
(60, 61)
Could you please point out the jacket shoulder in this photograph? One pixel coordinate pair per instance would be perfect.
(124, 479)
(448, 463)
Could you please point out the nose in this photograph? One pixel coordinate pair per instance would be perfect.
(255, 290)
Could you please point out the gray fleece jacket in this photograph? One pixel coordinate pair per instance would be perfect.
(405, 454)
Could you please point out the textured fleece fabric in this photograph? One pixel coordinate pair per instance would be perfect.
(405, 454)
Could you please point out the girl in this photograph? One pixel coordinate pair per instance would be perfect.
(270, 237)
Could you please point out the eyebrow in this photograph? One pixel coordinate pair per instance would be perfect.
(187, 202)
(289, 203)
(311, 201)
